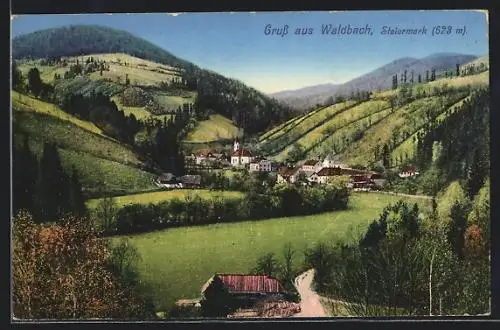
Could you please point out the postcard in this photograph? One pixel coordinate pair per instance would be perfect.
(239, 165)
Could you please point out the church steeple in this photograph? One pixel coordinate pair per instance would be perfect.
(236, 145)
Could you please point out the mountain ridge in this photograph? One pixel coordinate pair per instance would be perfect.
(377, 79)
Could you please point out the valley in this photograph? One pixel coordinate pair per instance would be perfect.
(183, 173)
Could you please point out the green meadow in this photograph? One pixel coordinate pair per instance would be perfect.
(176, 262)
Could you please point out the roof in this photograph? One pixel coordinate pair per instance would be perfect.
(287, 171)
(206, 154)
(191, 179)
(329, 171)
(238, 283)
(166, 177)
(409, 168)
(360, 178)
(310, 162)
(242, 153)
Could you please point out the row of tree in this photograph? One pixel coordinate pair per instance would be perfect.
(281, 200)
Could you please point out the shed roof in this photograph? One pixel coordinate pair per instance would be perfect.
(241, 283)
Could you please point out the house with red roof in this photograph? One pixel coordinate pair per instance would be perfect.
(287, 174)
(408, 171)
(243, 290)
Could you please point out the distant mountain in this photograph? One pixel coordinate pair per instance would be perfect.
(304, 92)
(249, 109)
(378, 79)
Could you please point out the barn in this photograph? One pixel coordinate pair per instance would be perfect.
(243, 291)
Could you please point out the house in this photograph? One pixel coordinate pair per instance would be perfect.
(205, 157)
(325, 173)
(243, 290)
(167, 180)
(287, 174)
(408, 171)
(310, 166)
(361, 182)
(262, 165)
(331, 161)
(378, 180)
(240, 156)
(191, 181)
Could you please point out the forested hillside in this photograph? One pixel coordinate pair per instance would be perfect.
(248, 108)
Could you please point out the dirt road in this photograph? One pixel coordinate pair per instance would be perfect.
(310, 303)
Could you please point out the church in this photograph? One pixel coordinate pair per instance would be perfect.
(240, 156)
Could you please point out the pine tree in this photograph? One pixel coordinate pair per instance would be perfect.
(34, 82)
(458, 70)
(24, 174)
(53, 189)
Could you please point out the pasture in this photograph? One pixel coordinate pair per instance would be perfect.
(176, 262)
(216, 128)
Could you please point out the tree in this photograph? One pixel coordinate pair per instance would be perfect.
(287, 271)
(53, 186)
(24, 175)
(458, 70)
(105, 213)
(419, 78)
(267, 265)
(34, 82)
(61, 271)
(295, 154)
(76, 198)
(17, 77)
(457, 228)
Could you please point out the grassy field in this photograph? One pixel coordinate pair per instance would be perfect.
(160, 196)
(404, 121)
(216, 128)
(300, 127)
(176, 262)
(140, 113)
(47, 72)
(70, 136)
(99, 175)
(24, 102)
(332, 126)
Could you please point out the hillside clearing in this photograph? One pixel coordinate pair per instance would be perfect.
(216, 128)
(176, 262)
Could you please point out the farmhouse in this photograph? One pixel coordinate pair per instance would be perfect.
(262, 165)
(408, 171)
(243, 290)
(287, 174)
(331, 161)
(190, 181)
(310, 166)
(325, 173)
(205, 157)
(361, 182)
(167, 180)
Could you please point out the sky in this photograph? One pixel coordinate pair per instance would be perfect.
(235, 44)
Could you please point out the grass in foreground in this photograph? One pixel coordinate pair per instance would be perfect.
(176, 262)
(160, 196)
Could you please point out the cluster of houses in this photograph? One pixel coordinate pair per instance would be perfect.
(239, 158)
(321, 172)
(311, 171)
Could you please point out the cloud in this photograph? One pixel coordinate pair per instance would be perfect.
(174, 14)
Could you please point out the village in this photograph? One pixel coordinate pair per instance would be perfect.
(308, 172)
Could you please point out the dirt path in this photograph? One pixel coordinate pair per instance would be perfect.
(310, 303)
